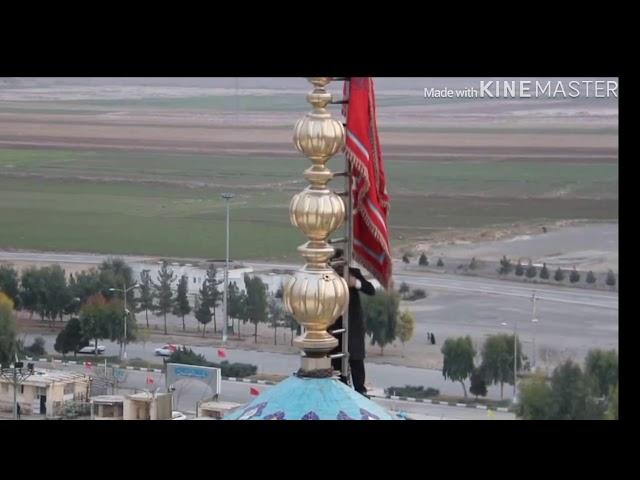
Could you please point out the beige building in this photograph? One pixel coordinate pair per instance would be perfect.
(215, 410)
(107, 407)
(148, 406)
(45, 392)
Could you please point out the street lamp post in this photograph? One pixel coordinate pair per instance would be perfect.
(534, 320)
(515, 354)
(124, 291)
(15, 375)
(225, 300)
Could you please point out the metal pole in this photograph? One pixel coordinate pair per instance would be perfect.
(226, 279)
(346, 271)
(15, 394)
(124, 350)
(534, 320)
(515, 357)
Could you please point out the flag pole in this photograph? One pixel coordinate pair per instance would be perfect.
(346, 270)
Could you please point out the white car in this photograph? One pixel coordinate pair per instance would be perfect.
(166, 350)
(92, 349)
(178, 416)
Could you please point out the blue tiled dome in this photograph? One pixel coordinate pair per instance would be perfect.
(310, 399)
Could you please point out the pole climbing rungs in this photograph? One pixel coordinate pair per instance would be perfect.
(338, 355)
(337, 331)
(337, 240)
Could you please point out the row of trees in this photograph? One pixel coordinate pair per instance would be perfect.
(573, 393)
(531, 271)
(496, 366)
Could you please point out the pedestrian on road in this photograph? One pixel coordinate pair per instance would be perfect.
(433, 339)
(18, 410)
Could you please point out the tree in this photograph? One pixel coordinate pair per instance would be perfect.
(9, 284)
(97, 316)
(536, 399)
(163, 292)
(611, 278)
(381, 313)
(544, 272)
(145, 301)
(213, 295)
(181, 306)
(473, 264)
(559, 275)
(531, 270)
(591, 278)
(202, 310)
(8, 344)
(497, 360)
(256, 301)
(570, 394)
(602, 367)
(478, 386)
(116, 273)
(574, 277)
(83, 285)
(276, 315)
(57, 295)
(612, 409)
(405, 258)
(405, 327)
(457, 365)
(32, 291)
(236, 304)
(71, 338)
(519, 269)
(440, 263)
(36, 349)
(423, 260)
(505, 266)
(291, 322)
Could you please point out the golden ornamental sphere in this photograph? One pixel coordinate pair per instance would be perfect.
(320, 82)
(317, 213)
(318, 136)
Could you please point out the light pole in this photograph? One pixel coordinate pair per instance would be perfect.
(124, 291)
(15, 375)
(227, 197)
(534, 320)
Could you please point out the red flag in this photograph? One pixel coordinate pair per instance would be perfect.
(222, 353)
(150, 380)
(254, 391)
(370, 199)
(88, 365)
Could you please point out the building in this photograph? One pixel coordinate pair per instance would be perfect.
(107, 407)
(216, 410)
(148, 406)
(45, 392)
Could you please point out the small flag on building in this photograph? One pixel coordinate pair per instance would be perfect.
(254, 391)
(222, 353)
(88, 365)
(150, 380)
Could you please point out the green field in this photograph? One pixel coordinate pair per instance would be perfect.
(169, 204)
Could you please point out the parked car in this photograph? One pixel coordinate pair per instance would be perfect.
(166, 350)
(92, 349)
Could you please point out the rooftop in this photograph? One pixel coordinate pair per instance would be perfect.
(43, 377)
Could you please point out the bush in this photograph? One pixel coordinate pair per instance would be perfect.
(440, 263)
(404, 288)
(478, 386)
(575, 276)
(189, 357)
(473, 264)
(544, 272)
(591, 278)
(412, 391)
(611, 278)
(36, 349)
(519, 269)
(423, 260)
(531, 271)
(505, 266)
(416, 294)
(405, 258)
(559, 275)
